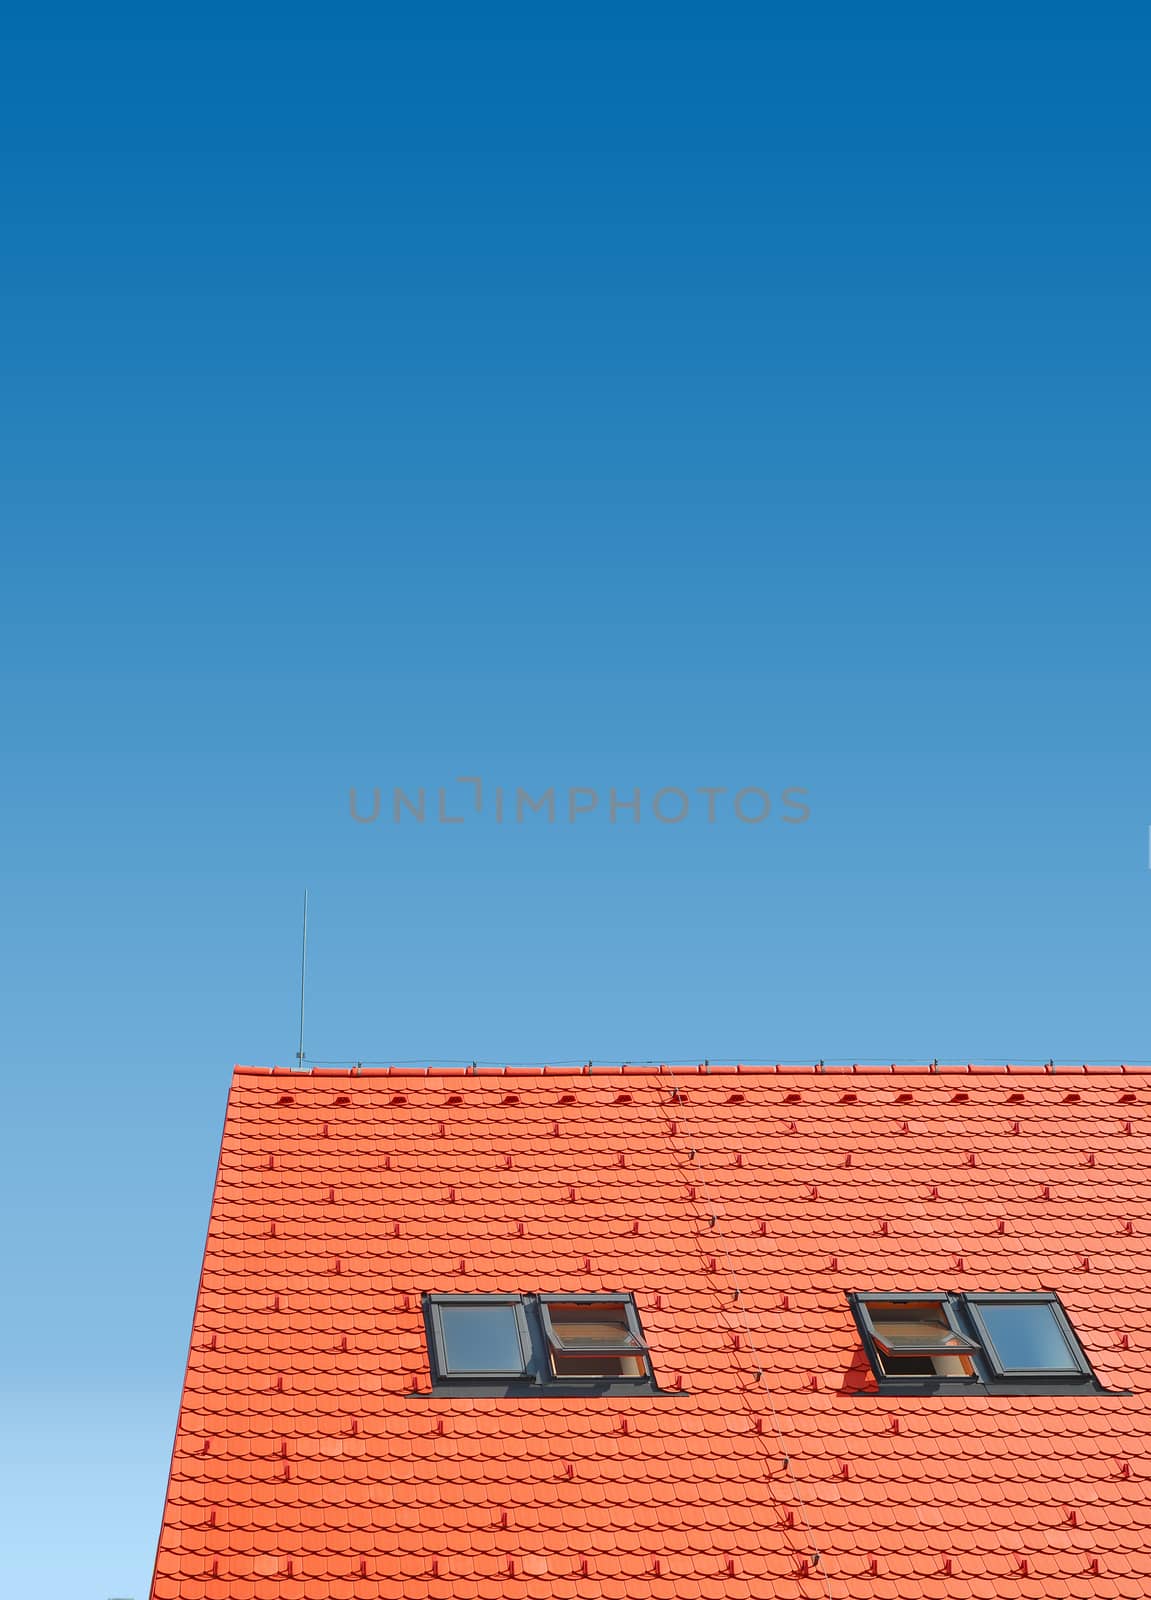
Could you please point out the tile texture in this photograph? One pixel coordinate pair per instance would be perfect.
(739, 1205)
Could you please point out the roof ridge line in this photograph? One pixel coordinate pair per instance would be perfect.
(598, 1069)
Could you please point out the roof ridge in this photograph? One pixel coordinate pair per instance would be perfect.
(597, 1069)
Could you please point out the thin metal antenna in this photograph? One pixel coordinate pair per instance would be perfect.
(303, 977)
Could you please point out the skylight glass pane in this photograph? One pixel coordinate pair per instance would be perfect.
(1026, 1336)
(914, 1328)
(924, 1336)
(481, 1339)
(591, 1325)
(601, 1335)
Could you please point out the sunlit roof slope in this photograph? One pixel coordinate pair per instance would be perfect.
(740, 1207)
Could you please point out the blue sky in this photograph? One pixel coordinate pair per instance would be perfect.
(576, 409)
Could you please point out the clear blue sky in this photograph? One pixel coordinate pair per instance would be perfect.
(648, 410)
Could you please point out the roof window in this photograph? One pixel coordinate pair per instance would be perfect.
(914, 1337)
(989, 1341)
(1027, 1336)
(522, 1343)
(480, 1336)
(596, 1337)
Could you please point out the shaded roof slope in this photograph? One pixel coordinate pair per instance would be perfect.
(305, 1469)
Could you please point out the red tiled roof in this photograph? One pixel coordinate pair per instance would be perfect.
(303, 1468)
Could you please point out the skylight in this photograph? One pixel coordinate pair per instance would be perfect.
(987, 1340)
(587, 1342)
(1027, 1335)
(593, 1337)
(915, 1336)
(481, 1337)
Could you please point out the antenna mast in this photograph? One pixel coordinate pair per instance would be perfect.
(303, 976)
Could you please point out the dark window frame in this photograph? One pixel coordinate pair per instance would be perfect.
(926, 1347)
(1080, 1366)
(988, 1376)
(438, 1346)
(536, 1334)
(632, 1344)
